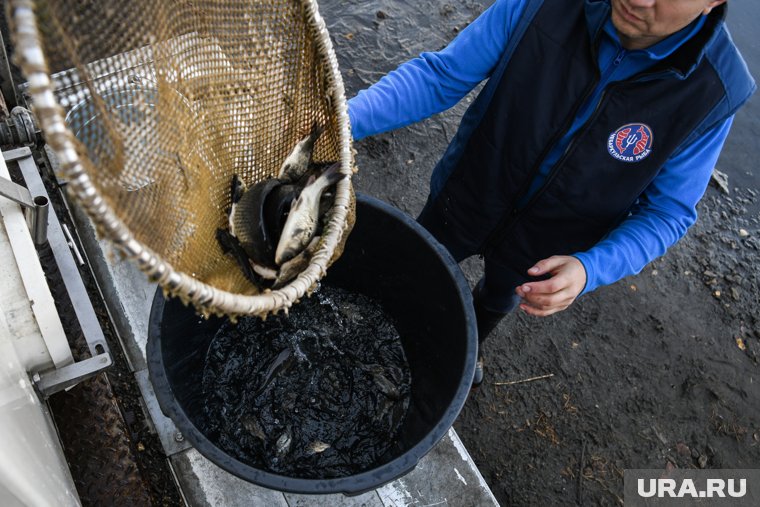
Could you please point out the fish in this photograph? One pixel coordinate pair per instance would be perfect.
(251, 424)
(316, 447)
(295, 266)
(276, 207)
(246, 220)
(230, 245)
(385, 385)
(297, 163)
(280, 363)
(282, 446)
(304, 215)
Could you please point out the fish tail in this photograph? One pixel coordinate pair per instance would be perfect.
(332, 174)
(316, 131)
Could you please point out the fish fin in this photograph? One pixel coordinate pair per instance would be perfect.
(224, 238)
(230, 245)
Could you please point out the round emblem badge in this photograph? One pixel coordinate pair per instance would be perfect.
(630, 143)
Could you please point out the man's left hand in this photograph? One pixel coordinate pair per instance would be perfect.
(545, 297)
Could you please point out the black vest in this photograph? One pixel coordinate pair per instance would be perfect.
(545, 80)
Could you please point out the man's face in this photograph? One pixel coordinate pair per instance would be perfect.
(642, 23)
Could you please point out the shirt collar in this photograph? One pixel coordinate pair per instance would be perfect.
(665, 47)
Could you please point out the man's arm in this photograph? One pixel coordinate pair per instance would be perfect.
(436, 81)
(666, 209)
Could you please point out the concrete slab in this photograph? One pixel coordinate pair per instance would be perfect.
(371, 499)
(204, 484)
(446, 476)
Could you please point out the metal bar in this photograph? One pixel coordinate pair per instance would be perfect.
(68, 376)
(11, 155)
(72, 245)
(38, 219)
(64, 258)
(36, 208)
(16, 193)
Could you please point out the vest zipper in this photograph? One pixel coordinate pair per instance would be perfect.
(511, 216)
(582, 130)
(515, 212)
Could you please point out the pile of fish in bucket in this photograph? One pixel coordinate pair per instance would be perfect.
(275, 226)
(321, 393)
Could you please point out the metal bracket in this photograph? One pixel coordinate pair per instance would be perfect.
(51, 382)
(36, 208)
(57, 380)
(64, 258)
(171, 438)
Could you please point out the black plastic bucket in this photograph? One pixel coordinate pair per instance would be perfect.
(388, 257)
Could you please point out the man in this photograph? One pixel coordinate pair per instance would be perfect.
(586, 152)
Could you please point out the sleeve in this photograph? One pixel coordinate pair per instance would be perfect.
(664, 212)
(436, 81)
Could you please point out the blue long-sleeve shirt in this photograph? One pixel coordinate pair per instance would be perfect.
(436, 81)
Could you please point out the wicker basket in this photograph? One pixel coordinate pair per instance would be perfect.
(152, 107)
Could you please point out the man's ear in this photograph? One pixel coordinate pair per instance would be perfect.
(711, 5)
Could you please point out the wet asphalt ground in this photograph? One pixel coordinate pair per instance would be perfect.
(655, 371)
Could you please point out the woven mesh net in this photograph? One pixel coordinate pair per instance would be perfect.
(163, 103)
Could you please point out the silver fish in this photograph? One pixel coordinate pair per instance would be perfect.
(303, 218)
(297, 162)
(282, 446)
(295, 266)
(317, 446)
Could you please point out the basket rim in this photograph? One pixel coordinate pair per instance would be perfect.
(206, 298)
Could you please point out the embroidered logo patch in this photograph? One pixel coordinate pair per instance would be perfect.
(630, 143)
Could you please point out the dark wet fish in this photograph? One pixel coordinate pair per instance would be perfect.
(322, 379)
(247, 238)
(303, 218)
(230, 245)
(276, 207)
(281, 362)
(384, 384)
(252, 426)
(247, 223)
(296, 164)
